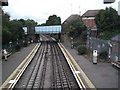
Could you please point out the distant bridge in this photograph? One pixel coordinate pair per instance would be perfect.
(33, 33)
(43, 29)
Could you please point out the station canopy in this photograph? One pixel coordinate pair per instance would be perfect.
(45, 29)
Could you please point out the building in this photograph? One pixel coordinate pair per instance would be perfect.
(89, 20)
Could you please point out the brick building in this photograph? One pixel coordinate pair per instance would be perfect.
(89, 20)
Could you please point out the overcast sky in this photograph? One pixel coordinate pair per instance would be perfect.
(40, 10)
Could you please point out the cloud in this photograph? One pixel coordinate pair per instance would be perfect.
(40, 10)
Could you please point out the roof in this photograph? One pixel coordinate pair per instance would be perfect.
(71, 18)
(90, 13)
(116, 38)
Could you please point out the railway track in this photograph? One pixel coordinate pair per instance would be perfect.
(47, 69)
(60, 77)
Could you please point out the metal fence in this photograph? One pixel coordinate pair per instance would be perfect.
(10, 47)
(102, 45)
(98, 44)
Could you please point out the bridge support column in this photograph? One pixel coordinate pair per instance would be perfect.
(59, 37)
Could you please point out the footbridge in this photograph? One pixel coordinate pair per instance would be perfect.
(33, 33)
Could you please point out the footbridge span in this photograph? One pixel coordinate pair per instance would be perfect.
(33, 33)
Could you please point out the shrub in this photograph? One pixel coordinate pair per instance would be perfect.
(82, 50)
(103, 55)
(17, 47)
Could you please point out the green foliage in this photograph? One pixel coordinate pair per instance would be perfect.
(75, 28)
(43, 24)
(53, 20)
(71, 31)
(84, 36)
(17, 47)
(108, 23)
(30, 22)
(106, 35)
(82, 50)
(107, 19)
(103, 55)
(12, 29)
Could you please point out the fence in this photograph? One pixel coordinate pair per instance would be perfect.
(12, 45)
(102, 45)
(98, 44)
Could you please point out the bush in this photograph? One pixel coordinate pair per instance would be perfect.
(103, 55)
(82, 50)
(17, 47)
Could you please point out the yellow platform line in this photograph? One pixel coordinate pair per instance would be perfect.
(23, 68)
(89, 83)
(71, 65)
(9, 78)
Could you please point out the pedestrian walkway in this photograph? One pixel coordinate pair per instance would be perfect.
(14, 60)
(102, 75)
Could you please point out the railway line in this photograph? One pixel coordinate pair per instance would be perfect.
(48, 68)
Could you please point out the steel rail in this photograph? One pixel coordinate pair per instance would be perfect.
(26, 62)
(78, 79)
(36, 70)
(88, 82)
(44, 68)
(53, 84)
(24, 85)
(64, 71)
(61, 77)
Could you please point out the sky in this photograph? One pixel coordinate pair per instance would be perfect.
(40, 10)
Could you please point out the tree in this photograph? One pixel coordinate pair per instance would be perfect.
(6, 34)
(76, 27)
(53, 20)
(16, 28)
(107, 19)
(30, 22)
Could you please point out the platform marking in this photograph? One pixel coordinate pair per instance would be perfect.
(82, 73)
(23, 68)
(17, 69)
(12, 81)
(78, 79)
(77, 72)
